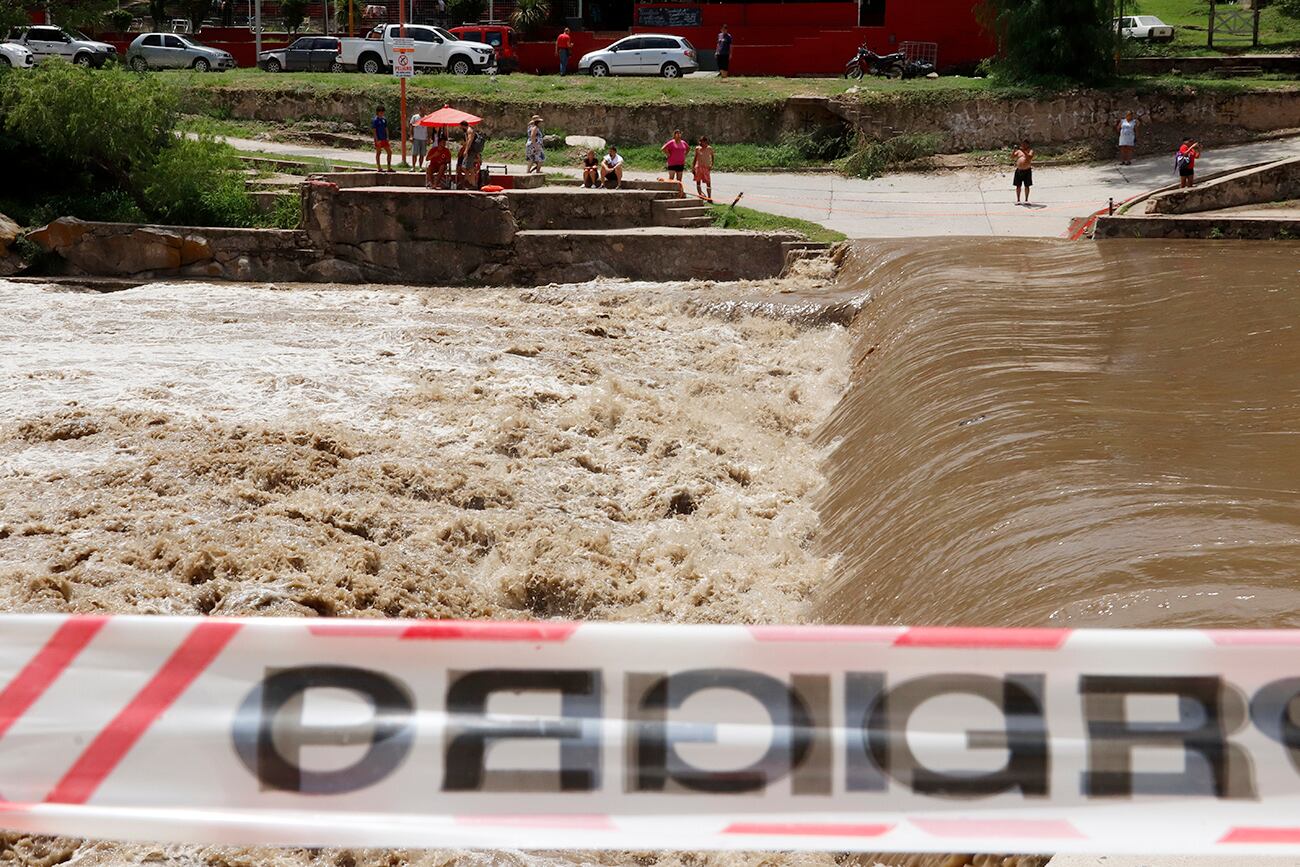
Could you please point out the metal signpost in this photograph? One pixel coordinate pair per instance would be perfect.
(403, 68)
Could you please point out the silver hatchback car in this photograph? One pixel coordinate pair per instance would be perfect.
(643, 54)
(176, 51)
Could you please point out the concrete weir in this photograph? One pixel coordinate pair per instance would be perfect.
(367, 227)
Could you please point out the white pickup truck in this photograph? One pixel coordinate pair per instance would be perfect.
(435, 49)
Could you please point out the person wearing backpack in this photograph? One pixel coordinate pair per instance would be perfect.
(1185, 163)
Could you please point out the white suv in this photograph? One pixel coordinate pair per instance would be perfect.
(45, 42)
(643, 54)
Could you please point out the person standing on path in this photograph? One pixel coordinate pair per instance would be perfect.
(702, 169)
(675, 149)
(1024, 176)
(722, 53)
(1185, 162)
(1127, 129)
(419, 142)
(468, 157)
(563, 45)
(379, 126)
(535, 151)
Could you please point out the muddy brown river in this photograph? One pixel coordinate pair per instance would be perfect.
(1008, 433)
(1044, 433)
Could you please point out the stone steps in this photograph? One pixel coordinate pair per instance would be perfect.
(682, 213)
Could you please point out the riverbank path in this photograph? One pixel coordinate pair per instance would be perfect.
(969, 201)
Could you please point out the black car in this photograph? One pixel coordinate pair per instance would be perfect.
(307, 54)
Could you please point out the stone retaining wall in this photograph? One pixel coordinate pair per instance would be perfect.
(1275, 182)
(979, 122)
(990, 123)
(1207, 227)
(426, 237)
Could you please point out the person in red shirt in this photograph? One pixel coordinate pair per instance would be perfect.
(563, 44)
(1185, 162)
(676, 149)
(437, 166)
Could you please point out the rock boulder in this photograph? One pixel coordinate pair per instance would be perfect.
(9, 261)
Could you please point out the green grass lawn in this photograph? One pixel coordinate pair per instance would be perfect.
(1277, 32)
(760, 221)
(542, 89)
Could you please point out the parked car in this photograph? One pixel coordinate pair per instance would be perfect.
(307, 54)
(173, 51)
(1145, 27)
(14, 56)
(435, 49)
(45, 42)
(499, 36)
(642, 54)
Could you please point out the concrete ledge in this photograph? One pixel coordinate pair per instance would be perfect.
(1272, 182)
(1207, 227)
(584, 209)
(648, 254)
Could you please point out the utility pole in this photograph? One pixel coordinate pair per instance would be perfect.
(257, 30)
(401, 19)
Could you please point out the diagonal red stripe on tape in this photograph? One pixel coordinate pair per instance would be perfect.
(1039, 829)
(45, 667)
(111, 745)
(489, 630)
(977, 637)
(794, 829)
(1261, 835)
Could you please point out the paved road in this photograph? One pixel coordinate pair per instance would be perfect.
(956, 202)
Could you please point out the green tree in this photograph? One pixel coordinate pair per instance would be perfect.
(294, 11)
(80, 14)
(1052, 39)
(196, 11)
(158, 12)
(529, 15)
(1289, 8)
(12, 14)
(110, 120)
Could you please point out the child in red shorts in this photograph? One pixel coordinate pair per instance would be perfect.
(702, 169)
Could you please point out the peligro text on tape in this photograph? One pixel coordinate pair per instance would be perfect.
(548, 734)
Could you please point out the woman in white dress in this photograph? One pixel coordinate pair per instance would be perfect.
(1127, 129)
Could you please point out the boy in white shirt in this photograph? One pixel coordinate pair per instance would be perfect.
(419, 142)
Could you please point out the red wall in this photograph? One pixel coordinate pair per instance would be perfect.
(819, 38)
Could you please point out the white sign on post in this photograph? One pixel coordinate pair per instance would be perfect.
(403, 58)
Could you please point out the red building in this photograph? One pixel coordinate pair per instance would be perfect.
(818, 38)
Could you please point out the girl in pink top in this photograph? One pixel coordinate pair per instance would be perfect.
(676, 149)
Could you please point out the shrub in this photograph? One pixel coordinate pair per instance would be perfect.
(1289, 8)
(195, 183)
(121, 20)
(110, 120)
(875, 158)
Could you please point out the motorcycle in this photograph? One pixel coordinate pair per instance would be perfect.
(869, 62)
(917, 69)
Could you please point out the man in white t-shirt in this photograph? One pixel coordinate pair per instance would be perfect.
(419, 142)
(611, 167)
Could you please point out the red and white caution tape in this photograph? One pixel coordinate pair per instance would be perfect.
(560, 735)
